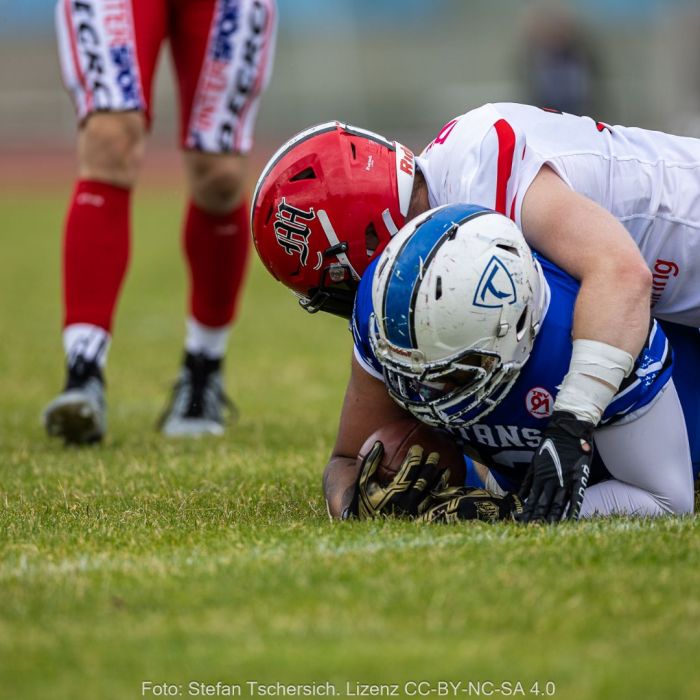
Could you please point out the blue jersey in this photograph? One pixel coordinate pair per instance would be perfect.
(507, 437)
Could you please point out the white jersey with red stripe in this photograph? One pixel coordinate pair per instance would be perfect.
(648, 180)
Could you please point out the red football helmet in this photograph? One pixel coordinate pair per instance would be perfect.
(325, 206)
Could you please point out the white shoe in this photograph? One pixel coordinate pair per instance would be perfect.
(79, 413)
(198, 405)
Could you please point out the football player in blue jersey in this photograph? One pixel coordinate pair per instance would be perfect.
(332, 197)
(470, 332)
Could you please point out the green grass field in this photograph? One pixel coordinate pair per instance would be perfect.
(146, 560)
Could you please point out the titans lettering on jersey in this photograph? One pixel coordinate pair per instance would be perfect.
(507, 437)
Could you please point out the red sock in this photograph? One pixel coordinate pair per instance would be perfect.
(217, 249)
(95, 252)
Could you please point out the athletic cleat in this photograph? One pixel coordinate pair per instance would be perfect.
(79, 413)
(198, 405)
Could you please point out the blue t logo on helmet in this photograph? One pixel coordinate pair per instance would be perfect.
(496, 287)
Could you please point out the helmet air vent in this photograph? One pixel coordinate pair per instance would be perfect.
(305, 174)
(520, 325)
(509, 249)
(371, 240)
(438, 288)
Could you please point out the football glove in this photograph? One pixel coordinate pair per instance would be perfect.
(407, 494)
(462, 503)
(559, 471)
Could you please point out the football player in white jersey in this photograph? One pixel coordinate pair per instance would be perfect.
(617, 208)
(222, 56)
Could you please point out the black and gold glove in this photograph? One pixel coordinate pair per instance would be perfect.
(461, 503)
(408, 494)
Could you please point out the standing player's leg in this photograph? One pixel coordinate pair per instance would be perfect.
(223, 56)
(108, 53)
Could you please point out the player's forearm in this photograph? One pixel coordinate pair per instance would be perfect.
(339, 482)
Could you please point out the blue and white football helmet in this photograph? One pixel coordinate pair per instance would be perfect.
(458, 298)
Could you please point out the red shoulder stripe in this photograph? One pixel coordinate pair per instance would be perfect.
(506, 148)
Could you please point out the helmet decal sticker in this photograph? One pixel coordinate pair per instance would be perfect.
(496, 287)
(539, 402)
(292, 231)
(405, 172)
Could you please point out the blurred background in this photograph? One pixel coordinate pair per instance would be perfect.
(402, 67)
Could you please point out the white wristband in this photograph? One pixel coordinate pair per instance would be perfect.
(595, 374)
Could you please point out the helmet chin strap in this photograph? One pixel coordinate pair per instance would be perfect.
(334, 241)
